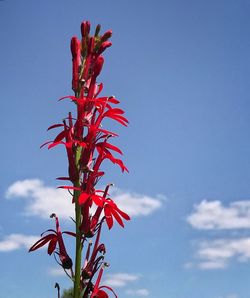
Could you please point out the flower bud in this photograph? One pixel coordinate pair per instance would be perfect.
(91, 45)
(106, 35)
(86, 274)
(102, 248)
(66, 262)
(74, 46)
(98, 66)
(85, 29)
(97, 30)
(104, 46)
(76, 57)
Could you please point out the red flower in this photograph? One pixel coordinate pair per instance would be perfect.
(55, 238)
(92, 263)
(108, 205)
(101, 294)
(98, 292)
(112, 211)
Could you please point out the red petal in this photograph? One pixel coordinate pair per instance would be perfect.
(49, 230)
(108, 216)
(101, 294)
(116, 116)
(121, 165)
(117, 217)
(120, 119)
(82, 144)
(98, 174)
(109, 288)
(107, 132)
(113, 100)
(112, 147)
(98, 200)
(44, 144)
(55, 126)
(41, 242)
(123, 214)
(114, 111)
(60, 136)
(69, 96)
(83, 197)
(52, 245)
(69, 233)
(55, 144)
(99, 90)
(108, 99)
(114, 207)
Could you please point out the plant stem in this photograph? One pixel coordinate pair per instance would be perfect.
(78, 254)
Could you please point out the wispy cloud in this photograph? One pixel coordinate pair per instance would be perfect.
(136, 204)
(217, 254)
(16, 241)
(213, 215)
(43, 200)
(120, 279)
(117, 280)
(56, 272)
(138, 292)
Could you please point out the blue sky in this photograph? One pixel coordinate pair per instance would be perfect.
(181, 70)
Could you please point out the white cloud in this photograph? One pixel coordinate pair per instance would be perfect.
(44, 200)
(232, 296)
(213, 215)
(138, 292)
(188, 265)
(120, 279)
(217, 254)
(136, 204)
(17, 241)
(56, 272)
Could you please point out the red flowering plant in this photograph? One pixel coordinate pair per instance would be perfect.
(87, 146)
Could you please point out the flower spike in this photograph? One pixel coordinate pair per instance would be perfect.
(88, 145)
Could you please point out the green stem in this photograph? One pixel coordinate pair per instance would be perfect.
(78, 254)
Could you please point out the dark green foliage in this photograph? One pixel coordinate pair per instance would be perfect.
(68, 293)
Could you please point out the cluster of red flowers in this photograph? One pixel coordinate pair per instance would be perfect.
(87, 145)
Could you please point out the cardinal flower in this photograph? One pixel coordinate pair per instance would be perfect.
(88, 145)
(55, 239)
(98, 292)
(92, 263)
